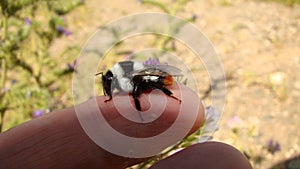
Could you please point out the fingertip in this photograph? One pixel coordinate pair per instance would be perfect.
(209, 155)
(199, 122)
(191, 107)
(196, 105)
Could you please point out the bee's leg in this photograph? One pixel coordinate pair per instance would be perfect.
(109, 88)
(136, 92)
(137, 104)
(109, 99)
(108, 93)
(169, 93)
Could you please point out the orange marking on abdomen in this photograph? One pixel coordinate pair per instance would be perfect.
(168, 80)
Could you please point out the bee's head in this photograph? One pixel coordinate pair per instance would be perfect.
(107, 76)
(106, 81)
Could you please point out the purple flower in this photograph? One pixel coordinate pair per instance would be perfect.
(235, 122)
(272, 146)
(72, 66)
(129, 55)
(13, 81)
(194, 17)
(212, 118)
(152, 61)
(37, 113)
(28, 21)
(60, 29)
(67, 32)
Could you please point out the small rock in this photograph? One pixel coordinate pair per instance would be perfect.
(277, 78)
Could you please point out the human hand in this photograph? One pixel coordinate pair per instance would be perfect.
(57, 140)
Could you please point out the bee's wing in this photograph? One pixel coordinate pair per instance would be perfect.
(174, 71)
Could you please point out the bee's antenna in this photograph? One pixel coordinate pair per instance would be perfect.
(100, 73)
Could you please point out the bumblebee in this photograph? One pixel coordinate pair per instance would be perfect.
(136, 78)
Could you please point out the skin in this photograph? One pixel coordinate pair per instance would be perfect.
(57, 140)
(209, 155)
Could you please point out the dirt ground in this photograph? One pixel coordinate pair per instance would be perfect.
(259, 45)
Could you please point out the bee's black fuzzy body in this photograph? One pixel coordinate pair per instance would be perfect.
(135, 78)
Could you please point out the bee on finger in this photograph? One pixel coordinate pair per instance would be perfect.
(136, 78)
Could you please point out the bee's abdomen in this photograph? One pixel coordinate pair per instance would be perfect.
(168, 80)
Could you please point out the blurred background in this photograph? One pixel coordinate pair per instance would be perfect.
(258, 42)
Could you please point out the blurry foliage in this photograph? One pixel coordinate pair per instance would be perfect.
(172, 8)
(287, 2)
(29, 75)
(165, 43)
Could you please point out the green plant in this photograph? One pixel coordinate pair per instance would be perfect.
(172, 8)
(287, 2)
(28, 73)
